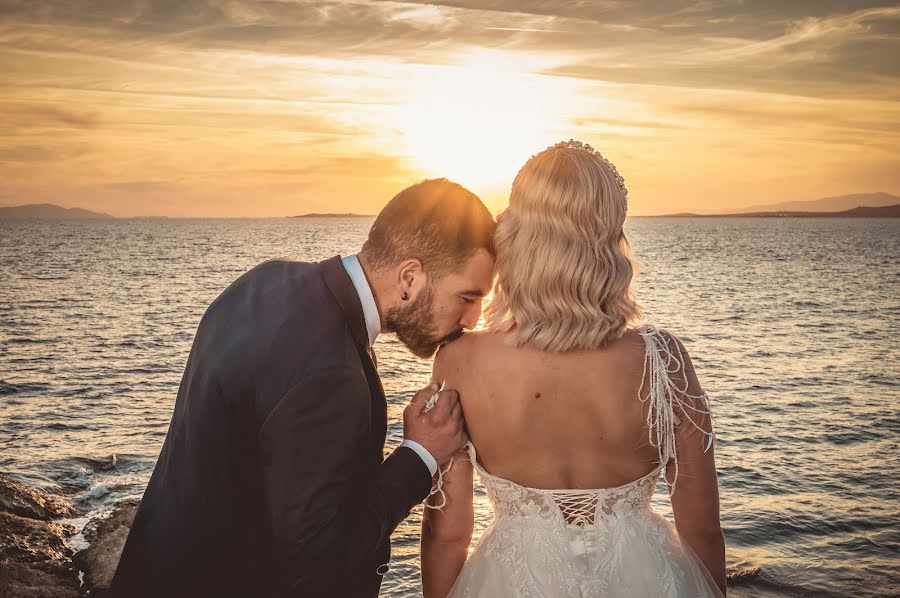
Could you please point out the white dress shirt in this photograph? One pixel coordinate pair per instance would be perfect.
(373, 327)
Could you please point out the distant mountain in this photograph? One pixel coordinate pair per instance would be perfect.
(48, 211)
(859, 212)
(826, 204)
(348, 215)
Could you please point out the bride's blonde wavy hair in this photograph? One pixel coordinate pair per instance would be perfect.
(564, 264)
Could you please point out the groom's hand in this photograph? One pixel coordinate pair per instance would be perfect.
(441, 429)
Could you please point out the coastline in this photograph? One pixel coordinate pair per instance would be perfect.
(38, 554)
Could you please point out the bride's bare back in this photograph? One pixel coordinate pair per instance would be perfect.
(553, 420)
(569, 446)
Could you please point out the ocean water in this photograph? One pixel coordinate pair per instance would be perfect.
(792, 324)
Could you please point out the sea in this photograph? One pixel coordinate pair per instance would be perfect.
(793, 326)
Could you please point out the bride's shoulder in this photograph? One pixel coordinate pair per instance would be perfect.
(652, 333)
(460, 350)
(461, 345)
(640, 342)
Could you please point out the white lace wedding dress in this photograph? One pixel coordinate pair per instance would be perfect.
(591, 543)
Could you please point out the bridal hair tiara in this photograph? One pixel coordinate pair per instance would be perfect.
(585, 147)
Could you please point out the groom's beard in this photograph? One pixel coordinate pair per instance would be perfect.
(414, 326)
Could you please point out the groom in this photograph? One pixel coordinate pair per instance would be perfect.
(272, 481)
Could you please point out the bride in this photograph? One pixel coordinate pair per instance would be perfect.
(573, 415)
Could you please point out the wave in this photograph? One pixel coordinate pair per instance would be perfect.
(741, 573)
(769, 586)
(27, 340)
(108, 463)
(7, 388)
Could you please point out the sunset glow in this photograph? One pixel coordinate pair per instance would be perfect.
(241, 108)
(477, 122)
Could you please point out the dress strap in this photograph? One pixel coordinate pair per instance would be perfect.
(669, 400)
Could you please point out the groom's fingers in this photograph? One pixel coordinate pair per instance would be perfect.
(462, 438)
(456, 412)
(446, 403)
(420, 398)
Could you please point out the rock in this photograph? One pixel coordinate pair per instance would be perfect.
(36, 560)
(36, 581)
(18, 499)
(741, 572)
(34, 554)
(107, 536)
(31, 541)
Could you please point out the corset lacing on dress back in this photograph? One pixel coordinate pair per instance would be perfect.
(565, 506)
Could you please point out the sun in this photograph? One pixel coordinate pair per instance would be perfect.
(477, 122)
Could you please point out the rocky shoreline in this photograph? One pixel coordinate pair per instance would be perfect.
(36, 559)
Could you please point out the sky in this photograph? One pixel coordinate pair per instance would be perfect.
(234, 108)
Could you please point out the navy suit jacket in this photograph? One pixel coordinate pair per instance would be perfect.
(272, 481)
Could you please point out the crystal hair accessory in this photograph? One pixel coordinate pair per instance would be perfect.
(578, 145)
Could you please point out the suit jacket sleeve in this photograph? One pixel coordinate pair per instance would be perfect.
(323, 521)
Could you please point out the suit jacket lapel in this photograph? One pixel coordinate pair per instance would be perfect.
(342, 288)
(379, 404)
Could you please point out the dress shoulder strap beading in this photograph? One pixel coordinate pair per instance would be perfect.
(670, 403)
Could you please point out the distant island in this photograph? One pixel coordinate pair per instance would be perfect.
(49, 211)
(837, 203)
(858, 212)
(840, 206)
(347, 215)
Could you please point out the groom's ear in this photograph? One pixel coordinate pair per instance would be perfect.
(411, 278)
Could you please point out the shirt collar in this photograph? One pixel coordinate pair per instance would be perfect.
(366, 298)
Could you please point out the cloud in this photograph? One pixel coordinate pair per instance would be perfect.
(140, 186)
(613, 40)
(365, 166)
(27, 153)
(779, 112)
(820, 33)
(50, 114)
(525, 30)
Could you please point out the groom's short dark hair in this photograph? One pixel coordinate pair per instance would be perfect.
(438, 222)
